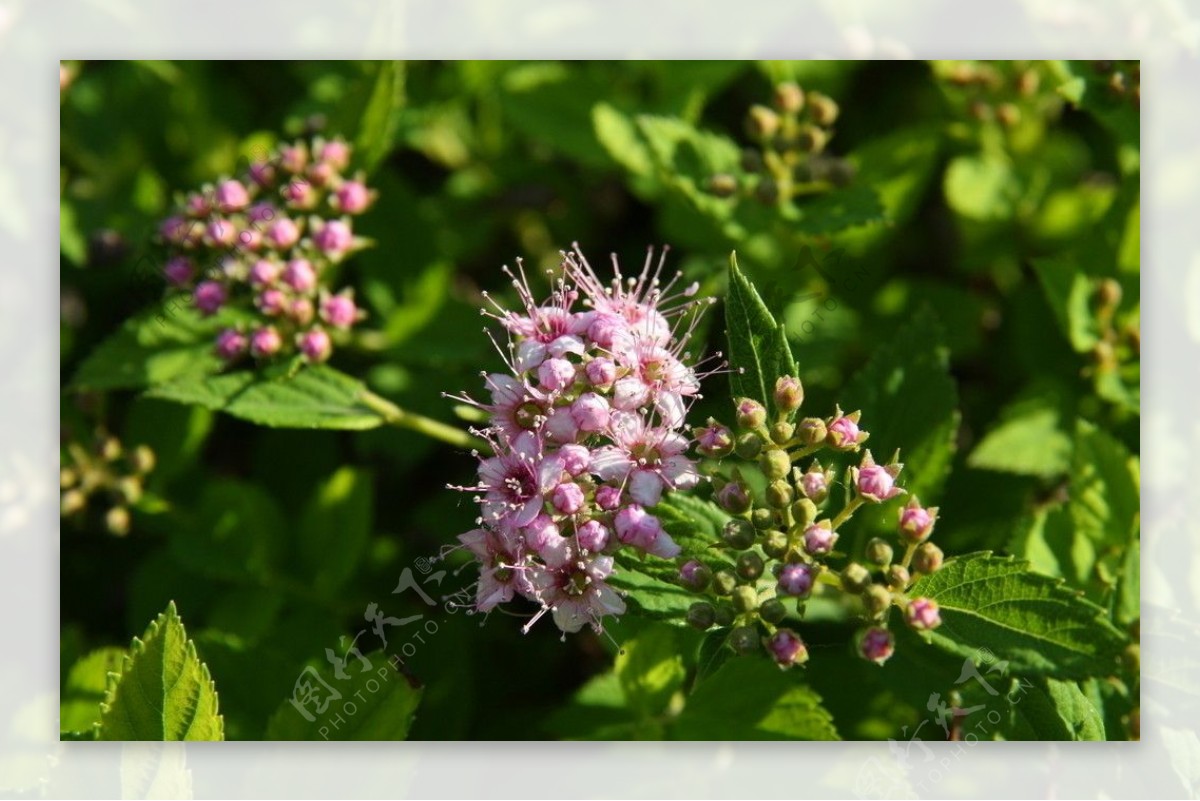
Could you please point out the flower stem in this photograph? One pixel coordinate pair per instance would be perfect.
(908, 555)
(846, 513)
(806, 451)
(402, 418)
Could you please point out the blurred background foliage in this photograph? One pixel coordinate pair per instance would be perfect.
(1002, 197)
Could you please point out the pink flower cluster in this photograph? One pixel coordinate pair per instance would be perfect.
(268, 243)
(586, 429)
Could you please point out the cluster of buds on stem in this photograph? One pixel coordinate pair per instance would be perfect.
(787, 157)
(586, 429)
(268, 244)
(1001, 93)
(106, 473)
(781, 541)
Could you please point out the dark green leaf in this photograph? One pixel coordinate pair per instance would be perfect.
(1049, 709)
(758, 347)
(335, 527)
(650, 669)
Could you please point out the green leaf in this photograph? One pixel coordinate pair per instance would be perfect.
(982, 187)
(910, 402)
(315, 397)
(1031, 621)
(154, 347)
(713, 653)
(1104, 504)
(650, 669)
(378, 124)
(552, 103)
(686, 158)
(1049, 709)
(382, 699)
(621, 138)
(1068, 291)
(164, 691)
(1087, 89)
(838, 209)
(652, 597)
(1028, 441)
(750, 698)
(335, 527)
(758, 348)
(84, 689)
(237, 533)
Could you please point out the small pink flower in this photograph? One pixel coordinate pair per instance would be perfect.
(179, 270)
(339, 311)
(197, 204)
(876, 482)
(642, 530)
(271, 302)
(916, 522)
(299, 193)
(220, 233)
(575, 592)
(209, 297)
(231, 196)
(567, 498)
(517, 480)
(262, 173)
(300, 275)
(923, 614)
(352, 197)
(787, 648)
(265, 342)
(230, 344)
(819, 540)
(333, 238)
(314, 345)
(555, 375)
(590, 412)
(263, 273)
(293, 158)
(593, 536)
(283, 233)
(174, 229)
(335, 153)
(499, 578)
(261, 213)
(796, 579)
(320, 174)
(876, 645)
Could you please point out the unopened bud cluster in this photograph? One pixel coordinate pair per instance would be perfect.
(268, 243)
(1001, 93)
(781, 542)
(107, 475)
(787, 155)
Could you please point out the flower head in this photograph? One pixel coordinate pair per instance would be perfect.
(876, 483)
(923, 614)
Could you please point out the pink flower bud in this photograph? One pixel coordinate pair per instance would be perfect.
(916, 522)
(250, 239)
(819, 540)
(541, 532)
(220, 233)
(590, 412)
(178, 271)
(263, 273)
(555, 375)
(230, 344)
(209, 297)
(923, 614)
(335, 153)
(283, 233)
(174, 229)
(575, 459)
(876, 645)
(592, 536)
(636, 527)
(261, 213)
(876, 482)
(301, 311)
(197, 205)
(265, 342)
(560, 427)
(271, 302)
(601, 372)
(645, 487)
(320, 174)
(314, 345)
(734, 498)
(352, 197)
(796, 579)
(567, 498)
(232, 196)
(339, 311)
(843, 433)
(299, 194)
(608, 497)
(262, 172)
(293, 158)
(605, 329)
(300, 275)
(334, 237)
(815, 486)
(695, 575)
(787, 648)
(714, 441)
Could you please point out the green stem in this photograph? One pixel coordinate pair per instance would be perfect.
(402, 418)
(908, 555)
(846, 513)
(807, 451)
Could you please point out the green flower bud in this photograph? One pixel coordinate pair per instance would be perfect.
(811, 139)
(72, 501)
(823, 109)
(775, 544)
(767, 191)
(855, 578)
(109, 448)
(734, 498)
(130, 489)
(142, 459)
(749, 565)
(805, 512)
(813, 431)
(722, 185)
(725, 615)
(879, 552)
(1008, 114)
(67, 478)
(898, 577)
(782, 432)
(789, 97)
(751, 160)
(745, 599)
(723, 582)
(751, 415)
(701, 615)
(744, 639)
(738, 533)
(762, 519)
(695, 575)
(761, 123)
(779, 494)
(877, 599)
(117, 521)
(789, 394)
(1108, 294)
(748, 446)
(1027, 83)
(775, 463)
(772, 610)
(927, 558)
